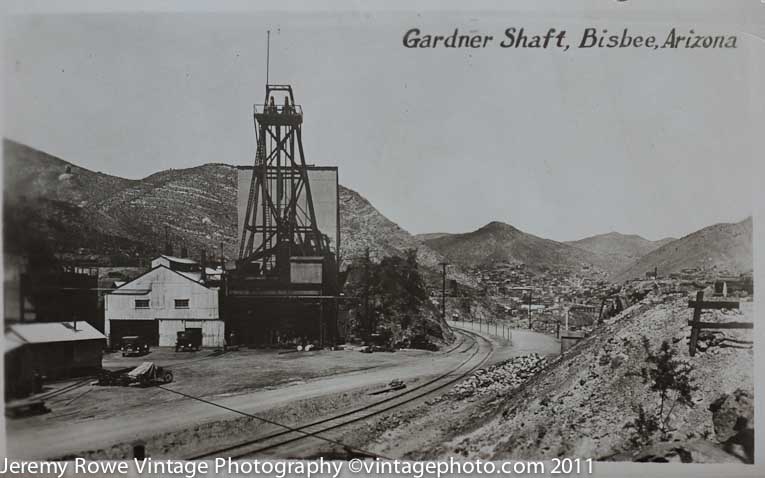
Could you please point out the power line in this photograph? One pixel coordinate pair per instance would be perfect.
(266, 420)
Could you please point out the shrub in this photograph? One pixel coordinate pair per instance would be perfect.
(670, 378)
(645, 425)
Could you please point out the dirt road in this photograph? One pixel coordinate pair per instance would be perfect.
(417, 424)
(174, 426)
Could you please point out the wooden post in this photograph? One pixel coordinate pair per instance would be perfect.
(695, 323)
(322, 329)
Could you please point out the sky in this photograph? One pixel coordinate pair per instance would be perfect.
(562, 145)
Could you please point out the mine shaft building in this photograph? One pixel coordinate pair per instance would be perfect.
(284, 289)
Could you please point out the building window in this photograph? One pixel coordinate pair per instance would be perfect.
(181, 303)
(142, 303)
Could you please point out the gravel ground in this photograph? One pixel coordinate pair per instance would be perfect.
(294, 388)
(204, 374)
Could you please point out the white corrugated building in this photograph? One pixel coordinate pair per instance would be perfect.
(162, 302)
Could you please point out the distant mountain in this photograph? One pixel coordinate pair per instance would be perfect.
(86, 215)
(724, 247)
(619, 249)
(500, 242)
(431, 235)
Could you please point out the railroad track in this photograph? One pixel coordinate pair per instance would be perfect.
(290, 435)
(67, 388)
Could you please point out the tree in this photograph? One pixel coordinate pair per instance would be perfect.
(670, 378)
(393, 294)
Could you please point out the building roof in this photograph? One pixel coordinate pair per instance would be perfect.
(12, 342)
(124, 289)
(179, 260)
(195, 276)
(45, 332)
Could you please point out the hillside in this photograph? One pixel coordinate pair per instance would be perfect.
(196, 205)
(85, 215)
(94, 216)
(362, 226)
(619, 249)
(431, 235)
(581, 404)
(30, 174)
(724, 247)
(500, 242)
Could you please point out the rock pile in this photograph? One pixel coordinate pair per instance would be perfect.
(499, 377)
(733, 419)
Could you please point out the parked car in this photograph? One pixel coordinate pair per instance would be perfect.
(134, 345)
(188, 340)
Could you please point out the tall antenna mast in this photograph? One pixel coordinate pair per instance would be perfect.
(268, 52)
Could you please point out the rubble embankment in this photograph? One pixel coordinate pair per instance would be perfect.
(497, 378)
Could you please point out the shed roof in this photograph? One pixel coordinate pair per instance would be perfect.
(12, 342)
(195, 276)
(43, 332)
(179, 260)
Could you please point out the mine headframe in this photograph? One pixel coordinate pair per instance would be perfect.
(280, 221)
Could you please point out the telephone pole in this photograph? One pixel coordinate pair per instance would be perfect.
(531, 294)
(368, 329)
(443, 291)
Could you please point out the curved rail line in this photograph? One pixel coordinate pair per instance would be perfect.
(360, 413)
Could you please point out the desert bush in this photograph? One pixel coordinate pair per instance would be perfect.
(669, 377)
(645, 425)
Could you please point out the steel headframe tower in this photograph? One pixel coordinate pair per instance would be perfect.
(280, 221)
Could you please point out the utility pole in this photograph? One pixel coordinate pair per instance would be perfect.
(531, 292)
(443, 291)
(367, 279)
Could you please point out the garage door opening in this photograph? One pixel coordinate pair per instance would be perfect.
(148, 330)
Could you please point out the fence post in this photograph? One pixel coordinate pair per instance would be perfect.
(695, 323)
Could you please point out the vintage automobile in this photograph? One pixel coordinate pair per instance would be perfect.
(188, 340)
(134, 345)
(144, 375)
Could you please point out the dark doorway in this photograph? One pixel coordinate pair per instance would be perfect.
(148, 330)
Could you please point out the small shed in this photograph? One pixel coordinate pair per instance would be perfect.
(52, 350)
